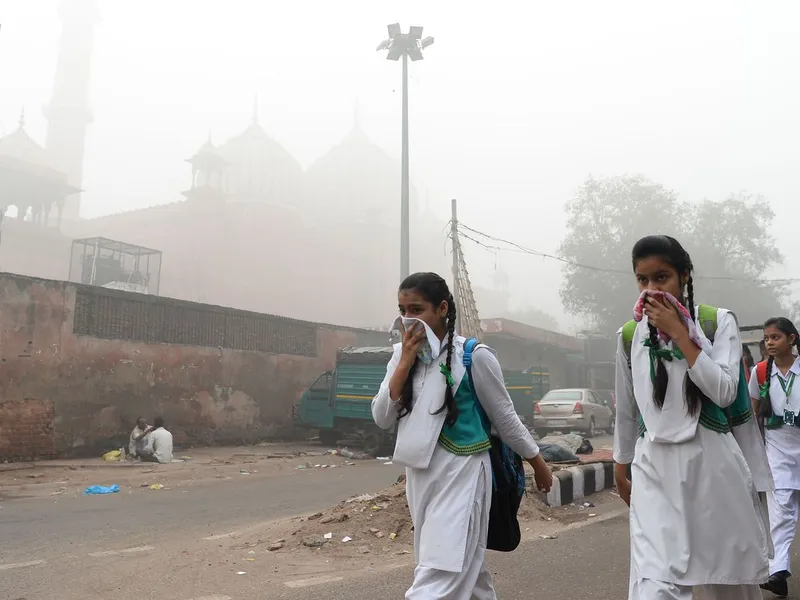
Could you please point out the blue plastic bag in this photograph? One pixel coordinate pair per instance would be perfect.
(95, 490)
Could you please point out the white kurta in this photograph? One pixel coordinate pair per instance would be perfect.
(783, 453)
(783, 444)
(695, 516)
(449, 496)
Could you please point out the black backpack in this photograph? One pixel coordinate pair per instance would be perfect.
(508, 479)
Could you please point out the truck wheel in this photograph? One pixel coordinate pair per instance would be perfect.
(372, 443)
(329, 437)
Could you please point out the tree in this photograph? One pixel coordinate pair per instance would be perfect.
(727, 241)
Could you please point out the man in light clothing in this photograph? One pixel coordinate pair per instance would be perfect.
(138, 438)
(159, 444)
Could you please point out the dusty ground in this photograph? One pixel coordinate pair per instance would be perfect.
(199, 465)
(210, 529)
(371, 529)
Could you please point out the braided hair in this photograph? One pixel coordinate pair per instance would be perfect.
(433, 288)
(671, 252)
(786, 327)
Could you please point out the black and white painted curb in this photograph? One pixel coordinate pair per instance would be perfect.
(576, 482)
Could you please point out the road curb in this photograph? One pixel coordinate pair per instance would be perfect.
(577, 482)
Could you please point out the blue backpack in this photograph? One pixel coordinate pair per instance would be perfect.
(508, 478)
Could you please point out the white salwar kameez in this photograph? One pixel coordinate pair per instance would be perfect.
(695, 518)
(449, 496)
(783, 453)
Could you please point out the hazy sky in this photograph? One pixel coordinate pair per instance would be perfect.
(514, 105)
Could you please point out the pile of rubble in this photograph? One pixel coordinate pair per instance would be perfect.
(368, 524)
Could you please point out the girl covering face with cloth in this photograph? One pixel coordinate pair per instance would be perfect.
(695, 516)
(442, 441)
(777, 398)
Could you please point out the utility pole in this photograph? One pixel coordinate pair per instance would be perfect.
(405, 242)
(456, 252)
(405, 46)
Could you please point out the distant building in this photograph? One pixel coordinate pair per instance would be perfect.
(252, 231)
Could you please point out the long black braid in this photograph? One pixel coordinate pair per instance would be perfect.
(671, 252)
(788, 328)
(694, 396)
(433, 289)
(662, 378)
(449, 400)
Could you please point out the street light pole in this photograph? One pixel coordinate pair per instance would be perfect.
(405, 242)
(405, 46)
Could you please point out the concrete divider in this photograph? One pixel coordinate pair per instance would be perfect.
(574, 483)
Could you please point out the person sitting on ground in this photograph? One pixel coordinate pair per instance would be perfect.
(138, 437)
(159, 444)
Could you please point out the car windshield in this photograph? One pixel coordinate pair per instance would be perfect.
(563, 396)
(605, 395)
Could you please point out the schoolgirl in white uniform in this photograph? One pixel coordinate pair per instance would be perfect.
(695, 518)
(443, 444)
(773, 390)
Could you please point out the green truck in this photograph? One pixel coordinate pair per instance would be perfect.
(339, 402)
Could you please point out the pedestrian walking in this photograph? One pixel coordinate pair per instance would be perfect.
(778, 404)
(444, 440)
(695, 516)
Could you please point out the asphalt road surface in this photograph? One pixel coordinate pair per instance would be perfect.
(49, 548)
(175, 543)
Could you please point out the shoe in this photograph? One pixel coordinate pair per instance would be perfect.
(777, 584)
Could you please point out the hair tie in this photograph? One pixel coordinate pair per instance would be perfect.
(448, 376)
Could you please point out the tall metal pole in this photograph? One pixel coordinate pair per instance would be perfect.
(404, 225)
(456, 255)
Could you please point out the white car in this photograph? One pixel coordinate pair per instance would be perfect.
(581, 410)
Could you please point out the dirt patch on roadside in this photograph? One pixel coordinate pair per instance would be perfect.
(373, 532)
(374, 524)
(200, 465)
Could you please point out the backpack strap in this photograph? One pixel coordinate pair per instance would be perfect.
(502, 455)
(627, 339)
(761, 372)
(707, 318)
(469, 347)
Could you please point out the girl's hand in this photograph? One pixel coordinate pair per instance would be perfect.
(664, 317)
(623, 483)
(412, 340)
(541, 474)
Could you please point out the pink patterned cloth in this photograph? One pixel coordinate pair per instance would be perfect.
(638, 314)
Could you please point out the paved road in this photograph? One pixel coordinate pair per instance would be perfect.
(133, 543)
(70, 545)
(58, 535)
(589, 562)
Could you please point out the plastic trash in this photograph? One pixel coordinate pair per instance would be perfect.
(114, 455)
(156, 486)
(96, 490)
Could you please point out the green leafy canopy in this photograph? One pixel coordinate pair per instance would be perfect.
(728, 238)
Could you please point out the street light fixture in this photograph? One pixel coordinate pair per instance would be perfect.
(405, 46)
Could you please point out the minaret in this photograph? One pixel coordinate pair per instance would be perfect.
(68, 114)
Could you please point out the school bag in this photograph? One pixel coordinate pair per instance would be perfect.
(508, 478)
(737, 413)
(773, 422)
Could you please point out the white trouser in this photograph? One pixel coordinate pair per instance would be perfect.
(474, 582)
(650, 589)
(783, 513)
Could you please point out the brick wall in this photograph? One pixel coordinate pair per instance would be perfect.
(79, 364)
(26, 429)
